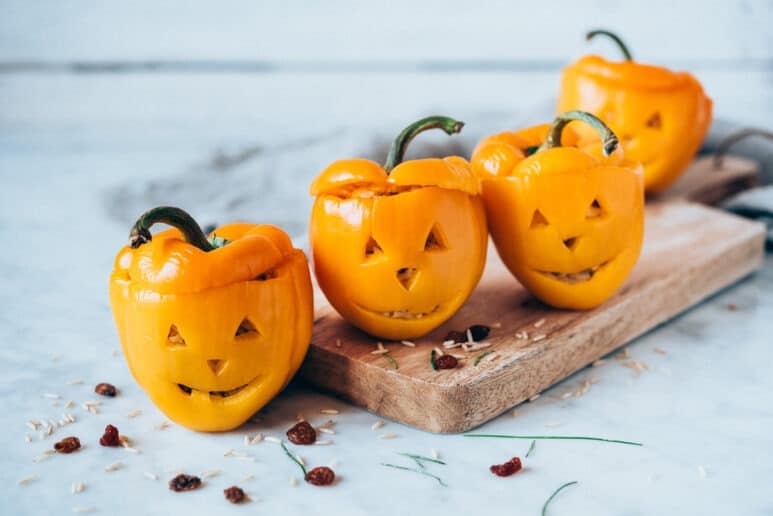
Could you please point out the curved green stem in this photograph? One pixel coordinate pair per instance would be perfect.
(397, 151)
(614, 37)
(734, 138)
(608, 138)
(175, 217)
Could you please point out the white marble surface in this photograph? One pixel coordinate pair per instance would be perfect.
(68, 143)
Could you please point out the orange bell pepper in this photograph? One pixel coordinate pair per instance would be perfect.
(212, 329)
(660, 116)
(567, 221)
(398, 249)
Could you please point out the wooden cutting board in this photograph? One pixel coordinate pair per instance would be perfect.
(690, 252)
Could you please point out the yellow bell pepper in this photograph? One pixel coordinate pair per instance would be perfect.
(398, 249)
(212, 329)
(567, 221)
(660, 116)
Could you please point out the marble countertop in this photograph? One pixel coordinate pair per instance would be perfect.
(70, 145)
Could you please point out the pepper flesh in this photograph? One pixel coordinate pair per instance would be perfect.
(213, 336)
(660, 116)
(567, 221)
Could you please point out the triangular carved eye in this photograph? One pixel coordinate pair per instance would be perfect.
(654, 121)
(174, 339)
(435, 240)
(270, 274)
(538, 220)
(595, 210)
(372, 248)
(246, 329)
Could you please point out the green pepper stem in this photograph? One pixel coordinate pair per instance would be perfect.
(397, 151)
(608, 138)
(614, 37)
(734, 138)
(175, 217)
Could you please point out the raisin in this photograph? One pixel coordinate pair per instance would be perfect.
(456, 336)
(302, 433)
(446, 362)
(67, 445)
(234, 494)
(183, 482)
(321, 476)
(510, 467)
(106, 389)
(479, 332)
(110, 437)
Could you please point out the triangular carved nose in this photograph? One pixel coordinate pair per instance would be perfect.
(407, 277)
(216, 365)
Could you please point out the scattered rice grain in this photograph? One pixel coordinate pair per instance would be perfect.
(378, 424)
(151, 476)
(408, 343)
(272, 439)
(293, 482)
(539, 323)
(324, 442)
(539, 337)
(330, 412)
(134, 413)
(27, 480)
(534, 397)
(77, 487)
(114, 466)
(211, 473)
(329, 431)
(51, 396)
(387, 436)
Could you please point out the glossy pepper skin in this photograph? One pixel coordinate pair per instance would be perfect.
(660, 116)
(398, 249)
(567, 222)
(211, 334)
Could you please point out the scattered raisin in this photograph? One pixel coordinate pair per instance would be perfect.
(67, 445)
(183, 482)
(106, 389)
(110, 437)
(321, 476)
(456, 336)
(510, 467)
(302, 433)
(479, 332)
(234, 494)
(446, 362)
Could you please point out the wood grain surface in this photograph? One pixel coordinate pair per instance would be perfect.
(690, 252)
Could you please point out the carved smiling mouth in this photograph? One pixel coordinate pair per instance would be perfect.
(572, 278)
(404, 314)
(223, 394)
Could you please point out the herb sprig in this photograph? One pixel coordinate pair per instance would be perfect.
(560, 437)
(391, 359)
(420, 471)
(547, 502)
(531, 448)
(294, 459)
(479, 357)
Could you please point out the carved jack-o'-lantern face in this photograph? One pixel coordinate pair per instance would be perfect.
(660, 116)
(567, 222)
(398, 249)
(212, 337)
